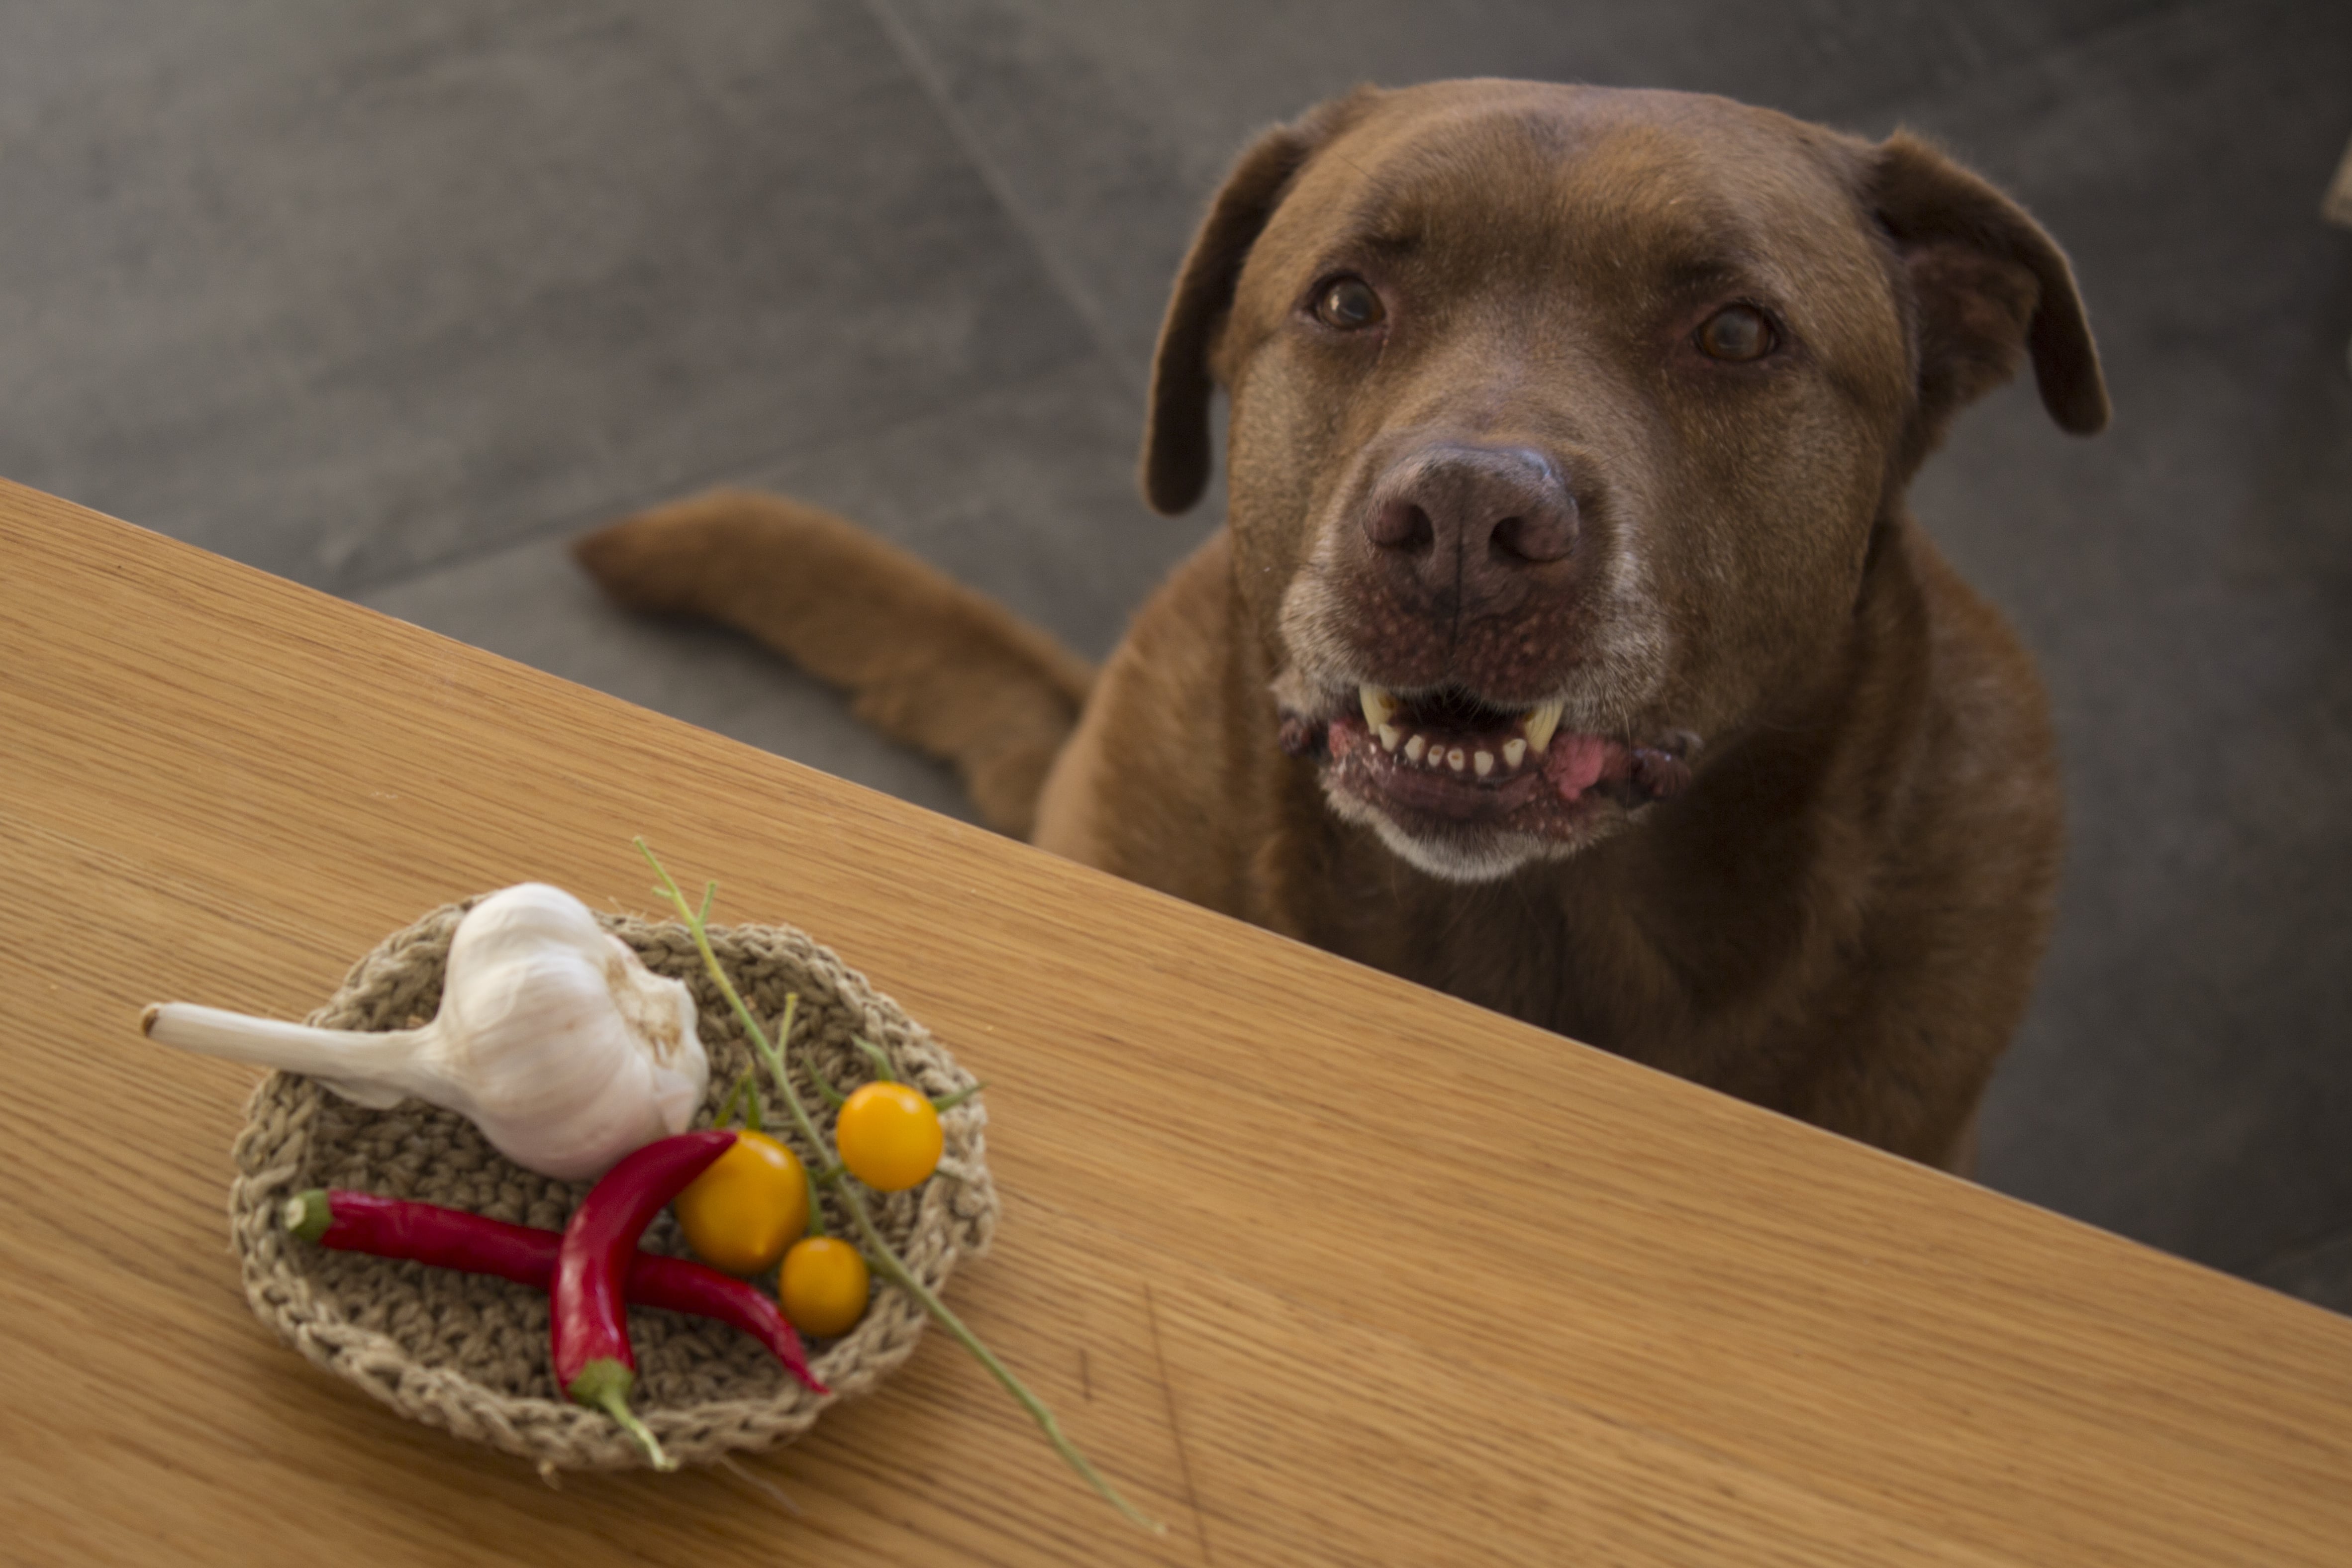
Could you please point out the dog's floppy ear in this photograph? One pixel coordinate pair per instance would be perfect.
(1175, 465)
(1989, 285)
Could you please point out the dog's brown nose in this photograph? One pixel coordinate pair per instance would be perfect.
(1466, 525)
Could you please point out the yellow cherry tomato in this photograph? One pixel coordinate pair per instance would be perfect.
(823, 1286)
(888, 1136)
(751, 1204)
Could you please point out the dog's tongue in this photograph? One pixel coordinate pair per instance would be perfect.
(1575, 763)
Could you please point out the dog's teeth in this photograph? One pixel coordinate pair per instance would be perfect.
(1455, 760)
(1484, 763)
(1387, 737)
(1379, 706)
(1515, 751)
(1414, 748)
(1539, 724)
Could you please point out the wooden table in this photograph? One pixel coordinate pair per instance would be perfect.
(1321, 1267)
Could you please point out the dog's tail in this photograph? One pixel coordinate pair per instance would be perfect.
(929, 661)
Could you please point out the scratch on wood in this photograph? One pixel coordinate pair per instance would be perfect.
(1183, 1461)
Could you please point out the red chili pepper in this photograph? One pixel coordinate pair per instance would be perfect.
(588, 1321)
(452, 1238)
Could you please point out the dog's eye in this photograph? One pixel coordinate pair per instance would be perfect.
(1348, 304)
(1736, 332)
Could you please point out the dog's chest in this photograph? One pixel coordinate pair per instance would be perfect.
(1506, 947)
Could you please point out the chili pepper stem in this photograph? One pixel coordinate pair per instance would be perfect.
(606, 1384)
(308, 1214)
(891, 1268)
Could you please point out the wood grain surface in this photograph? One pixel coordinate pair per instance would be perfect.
(1320, 1266)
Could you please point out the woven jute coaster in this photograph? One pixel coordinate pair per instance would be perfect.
(470, 1353)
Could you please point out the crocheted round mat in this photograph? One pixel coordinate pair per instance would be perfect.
(470, 1353)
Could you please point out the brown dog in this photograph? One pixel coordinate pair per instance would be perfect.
(1568, 646)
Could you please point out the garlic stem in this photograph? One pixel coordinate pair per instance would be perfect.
(362, 1067)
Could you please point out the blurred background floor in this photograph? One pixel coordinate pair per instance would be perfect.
(392, 299)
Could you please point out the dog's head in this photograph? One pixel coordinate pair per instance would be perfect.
(1563, 420)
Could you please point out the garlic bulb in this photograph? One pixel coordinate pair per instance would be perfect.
(552, 1038)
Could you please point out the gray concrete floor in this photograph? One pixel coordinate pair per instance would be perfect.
(393, 298)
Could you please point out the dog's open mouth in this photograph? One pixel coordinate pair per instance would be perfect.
(1446, 759)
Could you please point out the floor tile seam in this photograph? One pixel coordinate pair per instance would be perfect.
(718, 475)
(1001, 187)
